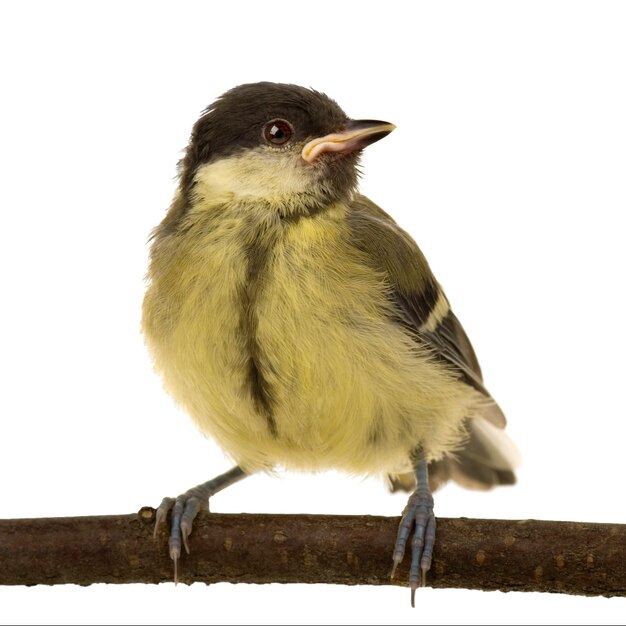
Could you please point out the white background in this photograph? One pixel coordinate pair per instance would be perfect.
(508, 167)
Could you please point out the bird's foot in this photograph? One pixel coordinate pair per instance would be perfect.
(184, 510)
(186, 507)
(418, 517)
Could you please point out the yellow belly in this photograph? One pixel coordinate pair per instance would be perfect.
(348, 388)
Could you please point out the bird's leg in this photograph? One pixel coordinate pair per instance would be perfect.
(418, 517)
(186, 507)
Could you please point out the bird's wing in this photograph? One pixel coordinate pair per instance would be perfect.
(420, 304)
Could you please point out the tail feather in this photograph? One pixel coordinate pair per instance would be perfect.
(487, 459)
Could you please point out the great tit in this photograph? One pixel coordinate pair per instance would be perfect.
(301, 327)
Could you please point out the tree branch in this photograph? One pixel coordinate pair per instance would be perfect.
(529, 555)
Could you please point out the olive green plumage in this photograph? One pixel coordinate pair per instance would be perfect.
(294, 320)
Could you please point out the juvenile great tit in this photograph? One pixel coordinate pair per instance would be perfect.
(301, 327)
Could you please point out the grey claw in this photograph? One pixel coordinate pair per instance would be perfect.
(161, 514)
(417, 519)
(185, 531)
(396, 562)
(186, 507)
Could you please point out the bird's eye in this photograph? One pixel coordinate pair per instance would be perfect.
(277, 132)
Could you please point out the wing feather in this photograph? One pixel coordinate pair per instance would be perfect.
(419, 302)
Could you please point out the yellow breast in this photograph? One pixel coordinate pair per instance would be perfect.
(345, 386)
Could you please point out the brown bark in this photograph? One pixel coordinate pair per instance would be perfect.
(529, 555)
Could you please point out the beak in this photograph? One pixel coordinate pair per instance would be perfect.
(357, 134)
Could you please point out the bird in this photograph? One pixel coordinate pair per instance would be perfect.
(301, 327)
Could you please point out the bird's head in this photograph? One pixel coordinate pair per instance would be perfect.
(286, 145)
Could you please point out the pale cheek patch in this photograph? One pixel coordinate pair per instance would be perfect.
(257, 174)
